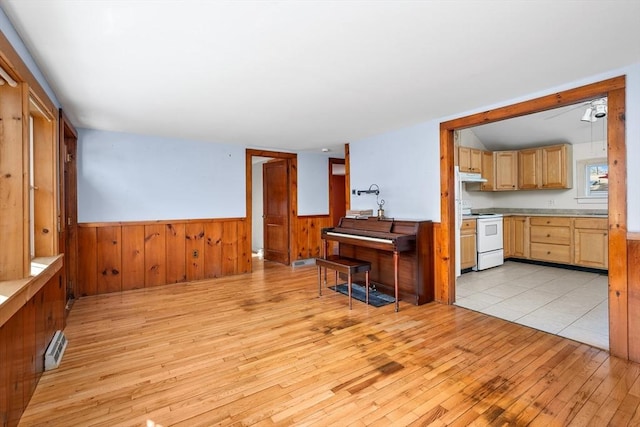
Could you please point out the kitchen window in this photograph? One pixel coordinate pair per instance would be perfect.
(593, 180)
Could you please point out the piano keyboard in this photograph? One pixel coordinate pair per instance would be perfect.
(355, 236)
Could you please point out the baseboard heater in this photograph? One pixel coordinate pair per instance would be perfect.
(303, 262)
(54, 353)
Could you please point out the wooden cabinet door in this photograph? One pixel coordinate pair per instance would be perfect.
(467, 251)
(520, 238)
(591, 243)
(487, 171)
(475, 159)
(528, 169)
(468, 243)
(507, 236)
(506, 170)
(469, 160)
(464, 159)
(555, 170)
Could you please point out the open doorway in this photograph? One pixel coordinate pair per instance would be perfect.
(281, 233)
(556, 279)
(614, 90)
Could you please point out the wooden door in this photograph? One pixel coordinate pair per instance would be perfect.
(275, 193)
(68, 238)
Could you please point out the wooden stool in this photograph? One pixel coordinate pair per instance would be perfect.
(348, 266)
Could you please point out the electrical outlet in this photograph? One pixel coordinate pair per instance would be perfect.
(195, 253)
(551, 202)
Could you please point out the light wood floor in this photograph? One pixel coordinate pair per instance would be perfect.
(263, 349)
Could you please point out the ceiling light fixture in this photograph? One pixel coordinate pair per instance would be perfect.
(597, 109)
(7, 78)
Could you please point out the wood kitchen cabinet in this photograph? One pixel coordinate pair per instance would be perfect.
(487, 171)
(551, 239)
(506, 170)
(520, 237)
(468, 244)
(556, 170)
(591, 242)
(469, 160)
(507, 236)
(529, 169)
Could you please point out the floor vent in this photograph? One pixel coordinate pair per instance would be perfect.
(303, 262)
(54, 353)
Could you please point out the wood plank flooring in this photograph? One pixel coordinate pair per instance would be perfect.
(263, 349)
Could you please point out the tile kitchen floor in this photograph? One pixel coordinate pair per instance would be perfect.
(572, 304)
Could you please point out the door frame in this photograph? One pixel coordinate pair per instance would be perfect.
(335, 161)
(292, 165)
(614, 90)
(68, 230)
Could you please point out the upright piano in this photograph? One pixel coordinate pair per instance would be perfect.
(398, 250)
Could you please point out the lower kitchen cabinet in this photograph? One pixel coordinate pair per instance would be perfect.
(580, 241)
(468, 258)
(591, 243)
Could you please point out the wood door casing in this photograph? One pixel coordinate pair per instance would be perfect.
(275, 174)
(337, 193)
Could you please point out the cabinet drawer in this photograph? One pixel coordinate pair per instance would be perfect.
(554, 221)
(554, 235)
(592, 223)
(552, 253)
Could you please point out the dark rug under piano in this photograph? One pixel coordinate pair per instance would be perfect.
(376, 299)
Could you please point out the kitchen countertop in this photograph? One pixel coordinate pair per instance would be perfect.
(588, 213)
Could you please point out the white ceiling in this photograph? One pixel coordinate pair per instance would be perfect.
(308, 74)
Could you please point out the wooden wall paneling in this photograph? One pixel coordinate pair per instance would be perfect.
(155, 268)
(14, 262)
(29, 349)
(213, 249)
(88, 262)
(302, 237)
(132, 271)
(176, 260)
(109, 259)
(4, 375)
(244, 247)
(42, 339)
(633, 277)
(194, 235)
(229, 248)
(347, 176)
(15, 347)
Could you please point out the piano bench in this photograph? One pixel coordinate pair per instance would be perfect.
(348, 266)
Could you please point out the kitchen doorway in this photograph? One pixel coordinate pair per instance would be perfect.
(614, 90)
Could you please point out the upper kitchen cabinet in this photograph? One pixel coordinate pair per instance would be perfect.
(545, 167)
(506, 170)
(529, 169)
(556, 166)
(487, 171)
(469, 159)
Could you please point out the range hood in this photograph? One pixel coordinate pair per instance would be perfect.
(471, 177)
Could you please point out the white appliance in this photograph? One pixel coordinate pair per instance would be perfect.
(460, 207)
(489, 241)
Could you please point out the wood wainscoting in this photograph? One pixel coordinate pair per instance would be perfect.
(308, 239)
(114, 257)
(633, 298)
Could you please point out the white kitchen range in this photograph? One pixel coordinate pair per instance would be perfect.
(489, 241)
(489, 238)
